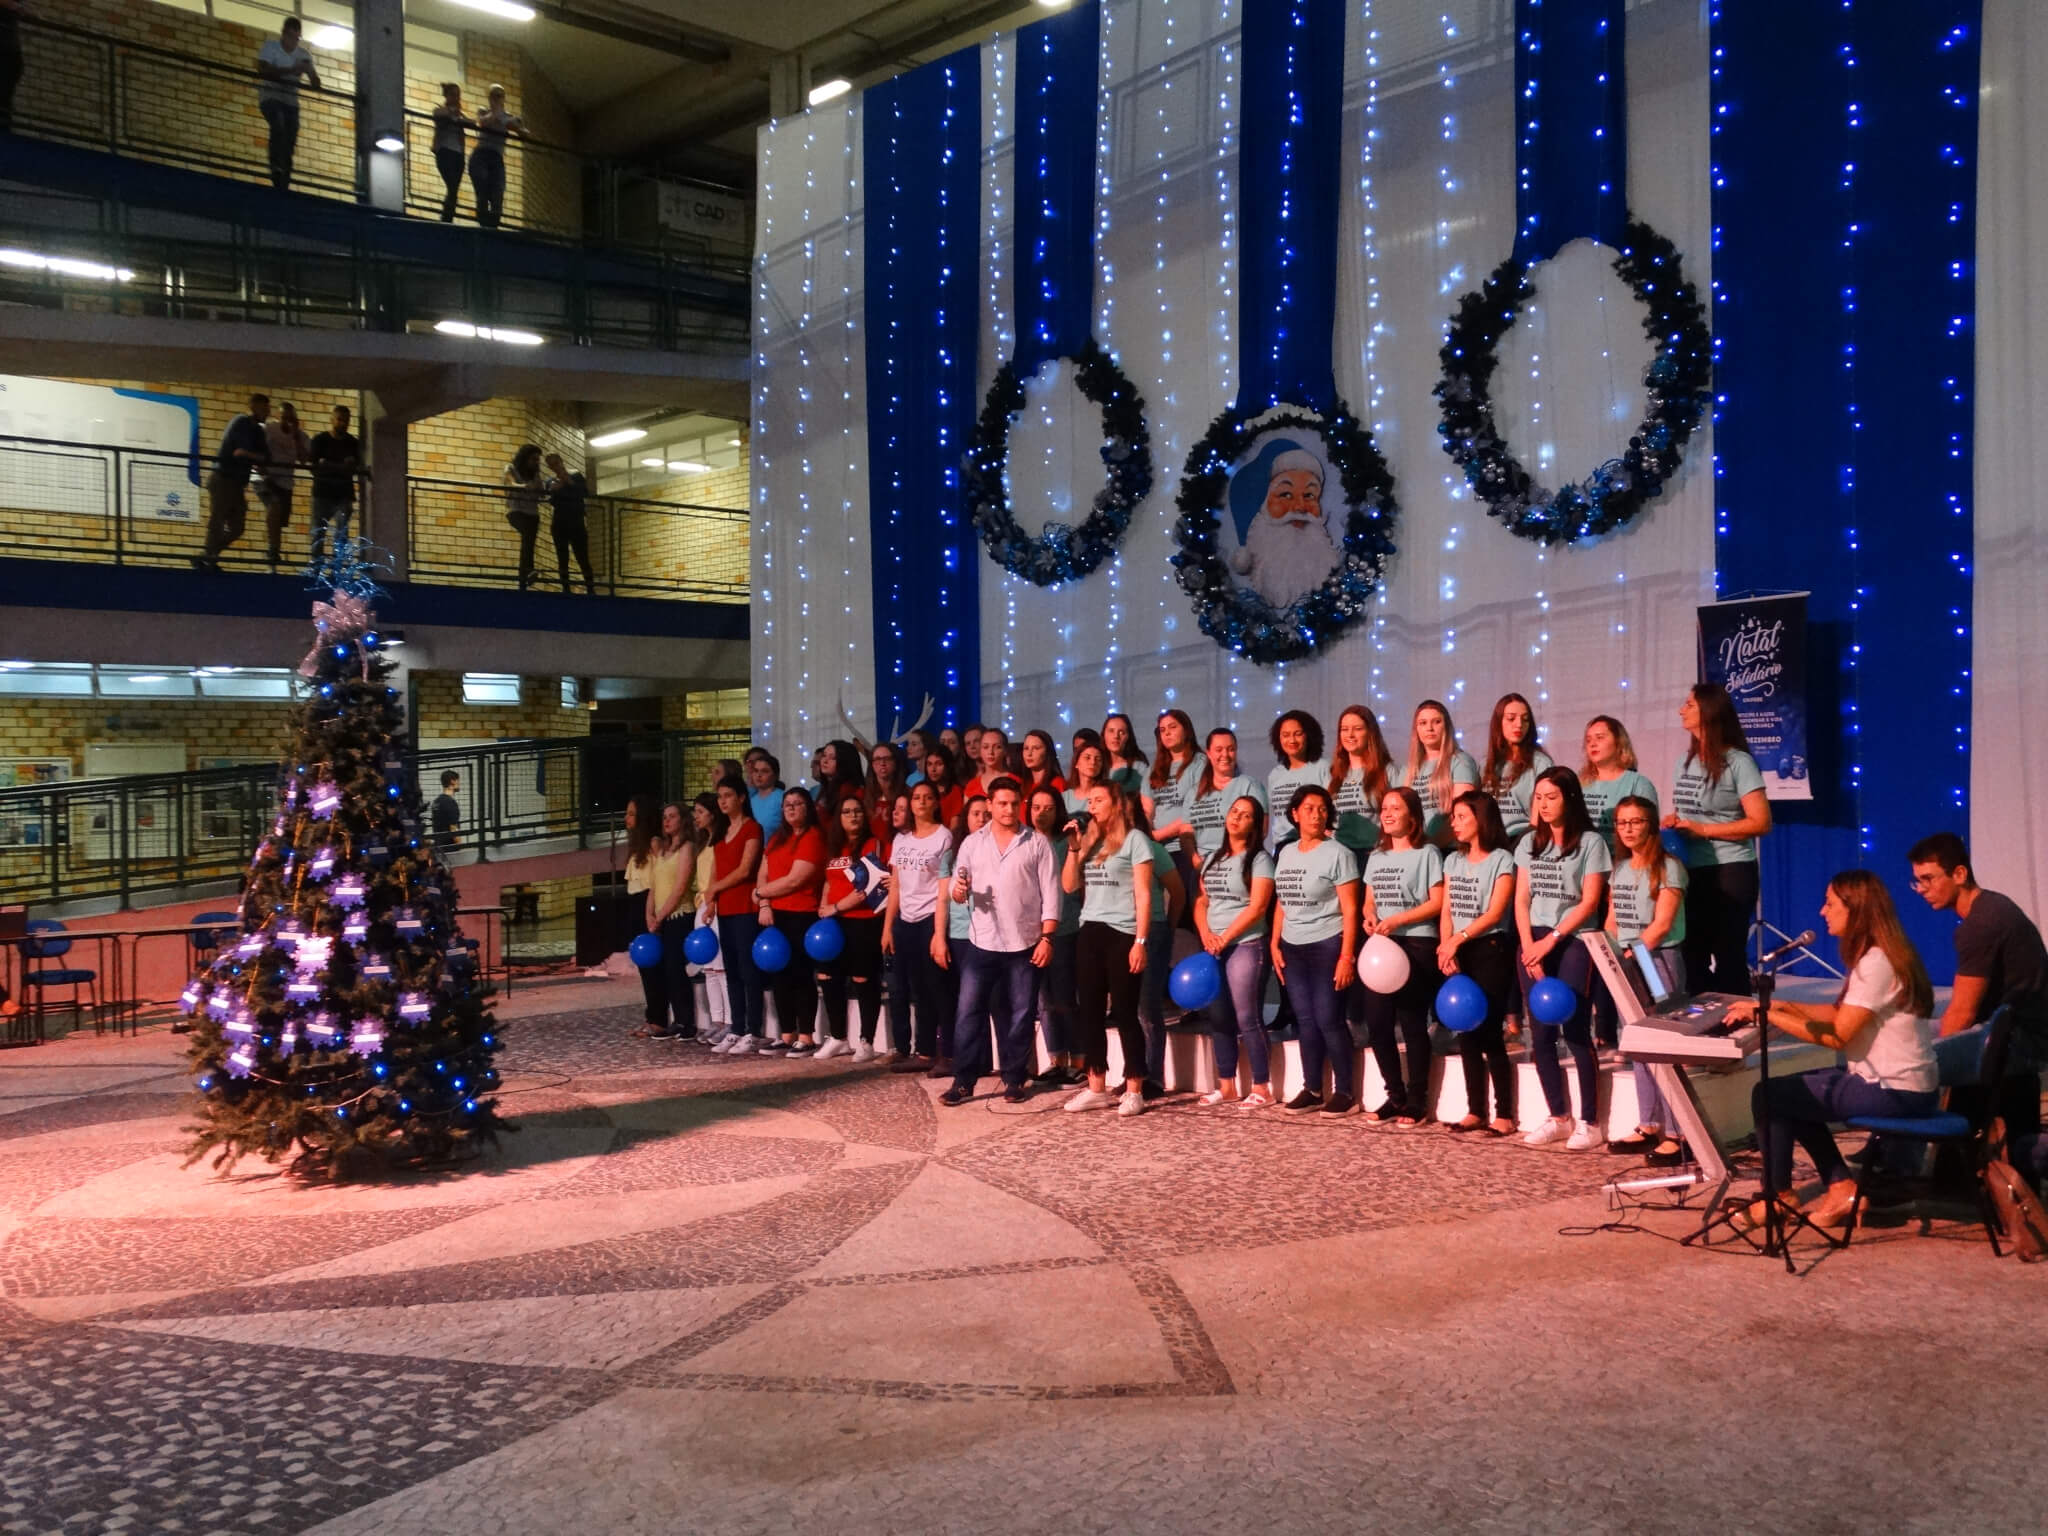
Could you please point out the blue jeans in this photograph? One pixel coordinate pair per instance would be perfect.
(1569, 963)
(999, 985)
(736, 935)
(1056, 998)
(1319, 1012)
(1152, 1000)
(1239, 1014)
(1799, 1110)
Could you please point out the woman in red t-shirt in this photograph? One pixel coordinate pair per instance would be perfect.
(1041, 756)
(939, 773)
(786, 897)
(852, 896)
(729, 900)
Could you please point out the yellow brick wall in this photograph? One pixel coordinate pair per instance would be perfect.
(539, 713)
(710, 550)
(211, 119)
(209, 728)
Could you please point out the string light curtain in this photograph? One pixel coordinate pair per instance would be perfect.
(1844, 207)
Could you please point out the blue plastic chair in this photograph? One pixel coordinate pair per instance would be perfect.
(1949, 1128)
(38, 978)
(206, 941)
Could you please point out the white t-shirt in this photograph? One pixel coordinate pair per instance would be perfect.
(1894, 1050)
(273, 53)
(919, 863)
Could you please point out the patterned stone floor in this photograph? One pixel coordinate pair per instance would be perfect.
(768, 1296)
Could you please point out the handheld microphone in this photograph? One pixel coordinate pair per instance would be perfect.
(1786, 950)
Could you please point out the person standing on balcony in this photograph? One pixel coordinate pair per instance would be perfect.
(282, 63)
(286, 442)
(523, 488)
(337, 462)
(487, 161)
(10, 59)
(451, 144)
(568, 494)
(242, 447)
(447, 809)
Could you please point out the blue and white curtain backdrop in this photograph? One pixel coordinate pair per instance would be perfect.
(1470, 611)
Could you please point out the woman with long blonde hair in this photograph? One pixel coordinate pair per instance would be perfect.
(1436, 769)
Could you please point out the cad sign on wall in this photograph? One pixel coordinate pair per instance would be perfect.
(91, 450)
(715, 216)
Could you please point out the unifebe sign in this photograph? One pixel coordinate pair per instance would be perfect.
(1755, 647)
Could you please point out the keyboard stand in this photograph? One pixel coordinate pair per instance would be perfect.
(1710, 1163)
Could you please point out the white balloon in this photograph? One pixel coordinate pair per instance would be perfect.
(1383, 965)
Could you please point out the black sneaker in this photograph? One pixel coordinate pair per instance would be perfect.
(1393, 1109)
(943, 1067)
(1075, 1077)
(1340, 1104)
(1306, 1099)
(1154, 1091)
(1016, 1095)
(910, 1064)
(956, 1095)
(1051, 1076)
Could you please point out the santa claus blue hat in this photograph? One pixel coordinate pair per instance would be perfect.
(1249, 484)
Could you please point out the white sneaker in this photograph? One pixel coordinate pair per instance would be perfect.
(862, 1051)
(1132, 1103)
(1586, 1138)
(745, 1045)
(1089, 1098)
(722, 1044)
(721, 1037)
(1556, 1128)
(832, 1048)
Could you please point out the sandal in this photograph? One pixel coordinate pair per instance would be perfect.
(1258, 1098)
(1216, 1096)
(1502, 1128)
(645, 1032)
(1466, 1126)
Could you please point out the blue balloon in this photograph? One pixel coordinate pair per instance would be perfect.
(1552, 1002)
(645, 950)
(1196, 980)
(1460, 1005)
(771, 951)
(701, 947)
(824, 939)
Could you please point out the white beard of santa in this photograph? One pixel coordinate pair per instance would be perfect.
(1285, 557)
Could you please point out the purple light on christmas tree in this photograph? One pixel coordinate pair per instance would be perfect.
(414, 1006)
(219, 1004)
(356, 928)
(303, 989)
(321, 1030)
(408, 922)
(349, 891)
(377, 968)
(251, 946)
(313, 954)
(288, 1038)
(322, 865)
(291, 933)
(190, 998)
(325, 799)
(368, 1038)
(241, 1060)
(241, 1024)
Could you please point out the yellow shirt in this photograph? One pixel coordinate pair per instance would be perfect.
(671, 869)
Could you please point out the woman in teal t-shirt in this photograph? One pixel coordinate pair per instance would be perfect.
(1109, 865)
(1127, 760)
(1436, 770)
(1479, 897)
(1211, 784)
(1610, 773)
(1358, 778)
(1404, 898)
(1719, 810)
(1049, 819)
(1231, 910)
(1297, 743)
(1647, 906)
(1512, 761)
(1561, 870)
(1315, 946)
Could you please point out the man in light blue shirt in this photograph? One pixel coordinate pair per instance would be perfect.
(1004, 876)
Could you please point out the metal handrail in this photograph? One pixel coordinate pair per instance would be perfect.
(112, 105)
(154, 834)
(147, 506)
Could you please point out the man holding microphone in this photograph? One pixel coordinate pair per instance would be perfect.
(1004, 873)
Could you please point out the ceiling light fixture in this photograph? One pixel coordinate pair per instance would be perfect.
(504, 10)
(830, 90)
(619, 438)
(689, 467)
(468, 332)
(340, 39)
(35, 261)
(391, 143)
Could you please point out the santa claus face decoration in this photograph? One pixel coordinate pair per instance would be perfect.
(1286, 543)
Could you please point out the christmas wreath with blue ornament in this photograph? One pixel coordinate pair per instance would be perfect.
(1677, 385)
(1060, 552)
(1234, 614)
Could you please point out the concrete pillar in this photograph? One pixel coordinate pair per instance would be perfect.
(384, 433)
(789, 84)
(382, 141)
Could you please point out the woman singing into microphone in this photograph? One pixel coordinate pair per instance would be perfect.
(1719, 810)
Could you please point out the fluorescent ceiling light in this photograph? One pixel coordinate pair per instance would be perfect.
(504, 9)
(391, 143)
(35, 261)
(619, 438)
(689, 467)
(464, 329)
(340, 39)
(732, 442)
(656, 462)
(148, 677)
(830, 90)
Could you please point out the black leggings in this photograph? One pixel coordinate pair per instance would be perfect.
(857, 971)
(1720, 905)
(795, 986)
(572, 533)
(1490, 961)
(1408, 1011)
(449, 163)
(1107, 988)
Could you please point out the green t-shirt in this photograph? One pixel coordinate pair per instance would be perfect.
(1281, 783)
(1401, 878)
(1206, 813)
(1109, 889)
(1468, 889)
(1693, 798)
(1229, 893)
(1635, 908)
(1603, 795)
(1557, 880)
(1305, 883)
(1436, 819)
(1358, 813)
(1128, 776)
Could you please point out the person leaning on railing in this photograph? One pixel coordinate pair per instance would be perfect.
(288, 447)
(567, 494)
(487, 160)
(523, 488)
(337, 460)
(242, 448)
(281, 64)
(450, 145)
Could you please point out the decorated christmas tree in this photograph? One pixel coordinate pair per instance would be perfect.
(347, 1028)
